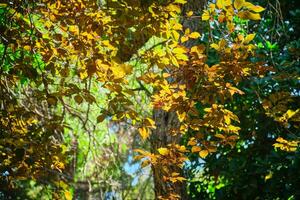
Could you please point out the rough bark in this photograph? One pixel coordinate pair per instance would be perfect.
(165, 121)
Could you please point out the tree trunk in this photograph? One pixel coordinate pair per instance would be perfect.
(165, 121)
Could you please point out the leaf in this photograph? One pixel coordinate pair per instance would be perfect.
(68, 195)
(74, 29)
(257, 9)
(215, 46)
(181, 116)
(180, 1)
(163, 151)
(249, 38)
(189, 14)
(184, 39)
(100, 118)
(252, 7)
(290, 113)
(78, 99)
(223, 3)
(180, 179)
(205, 15)
(144, 132)
(149, 123)
(195, 149)
(203, 153)
(27, 47)
(182, 149)
(218, 135)
(268, 176)
(179, 50)
(238, 4)
(194, 35)
(249, 15)
(192, 141)
(227, 119)
(52, 100)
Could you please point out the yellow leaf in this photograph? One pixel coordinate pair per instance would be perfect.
(205, 15)
(290, 113)
(180, 1)
(215, 46)
(234, 129)
(220, 4)
(181, 57)
(163, 151)
(177, 26)
(227, 119)
(176, 35)
(144, 132)
(175, 174)
(192, 141)
(178, 50)
(203, 153)
(189, 14)
(184, 39)
(194, 35)
(127, 68)
(3, 5)
(268, 176)
(196, 149)
(68, 195)
(180, 179)
(223, 3)
(187, 31)
(149, 123)
(74, 29)
(181, 116)
(198, 49)
(218, 135)
(257, 9)
(182, 149)
(27, 47)
(238, 4)
(212, 7)
(252, 7)
(249, 38)
(249, 15)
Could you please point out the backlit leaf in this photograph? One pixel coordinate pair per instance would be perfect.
(194, 35)
(195, 149)
(249, 38)
(249, 15)
(238, 4)
(203, 153)
(163, 151)
(144, 132)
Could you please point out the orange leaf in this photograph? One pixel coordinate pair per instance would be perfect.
(195, 149)
(144, 132)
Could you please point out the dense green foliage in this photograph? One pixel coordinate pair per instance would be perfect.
(254, 169)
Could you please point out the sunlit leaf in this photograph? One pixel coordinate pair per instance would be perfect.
(163, 151)
(238, 4)
(144, 132)
(203, 153)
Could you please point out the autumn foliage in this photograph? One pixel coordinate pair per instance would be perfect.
(55, 51)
